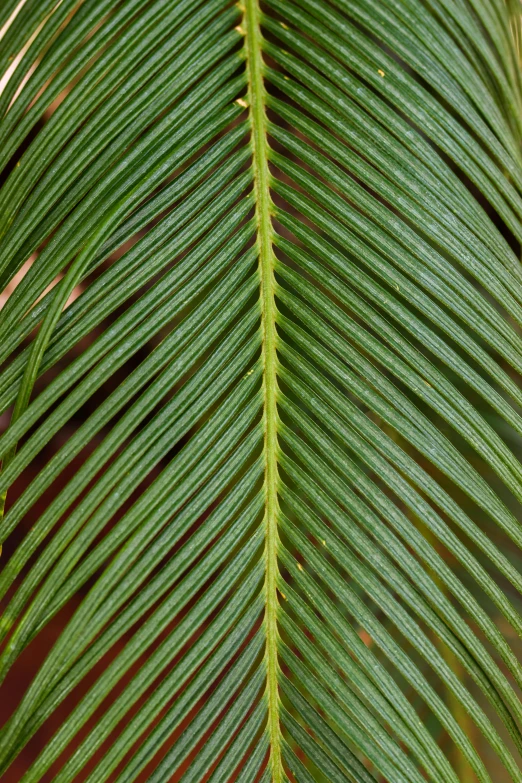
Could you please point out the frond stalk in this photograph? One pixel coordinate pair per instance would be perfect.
(258, 122)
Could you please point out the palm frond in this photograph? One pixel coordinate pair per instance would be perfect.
(260, 353)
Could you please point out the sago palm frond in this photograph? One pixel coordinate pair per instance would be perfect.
(260, 353)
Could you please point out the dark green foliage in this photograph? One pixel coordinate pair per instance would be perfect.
(260, 354)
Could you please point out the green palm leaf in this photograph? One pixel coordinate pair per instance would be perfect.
(260, 353)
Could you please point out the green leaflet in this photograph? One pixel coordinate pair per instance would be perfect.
(260, 360)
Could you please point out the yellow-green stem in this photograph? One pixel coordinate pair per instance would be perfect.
(258, 123)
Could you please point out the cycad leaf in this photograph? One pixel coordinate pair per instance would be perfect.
(260, 376)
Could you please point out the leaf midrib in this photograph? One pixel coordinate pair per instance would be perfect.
(259, 142)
